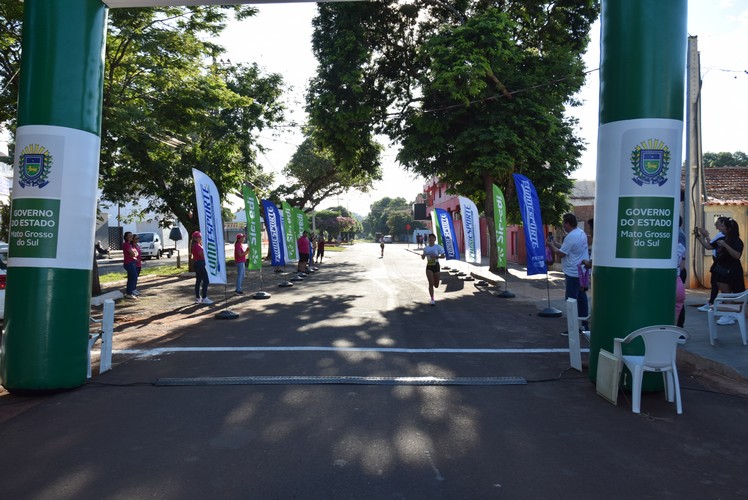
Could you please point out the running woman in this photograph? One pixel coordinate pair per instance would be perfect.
(433, 253)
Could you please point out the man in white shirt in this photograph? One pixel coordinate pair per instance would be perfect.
(573, 251)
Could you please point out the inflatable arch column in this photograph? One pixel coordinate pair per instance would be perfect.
(53, 213)
(637, 203)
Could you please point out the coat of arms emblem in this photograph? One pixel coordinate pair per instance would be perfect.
(34, 166)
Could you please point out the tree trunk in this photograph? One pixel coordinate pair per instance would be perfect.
(95, 282)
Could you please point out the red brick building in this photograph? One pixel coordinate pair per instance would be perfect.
(582, 200)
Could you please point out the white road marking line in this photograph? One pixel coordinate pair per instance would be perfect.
(164, 350)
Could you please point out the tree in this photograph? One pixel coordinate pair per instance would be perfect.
(482, 91)
(379, 214)
(170, 106)
(723, 159)
(397, 221)
(340, 96)
(11, 17)
(314, 176)
(337, 221)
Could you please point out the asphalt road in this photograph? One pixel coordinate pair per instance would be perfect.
(238, 422)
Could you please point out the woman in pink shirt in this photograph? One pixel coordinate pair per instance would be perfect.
(201, 273)
(135, 245)
(130, 265)
(240, 258)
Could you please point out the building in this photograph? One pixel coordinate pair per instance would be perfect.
(726, 193)
(582, 200)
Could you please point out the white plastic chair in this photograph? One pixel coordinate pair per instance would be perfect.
(660, 345)
(731, 305)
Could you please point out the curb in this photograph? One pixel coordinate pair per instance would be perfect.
(702, 364)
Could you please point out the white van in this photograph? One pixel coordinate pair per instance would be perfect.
(150, 245)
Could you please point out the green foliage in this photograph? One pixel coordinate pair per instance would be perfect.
(4, 222)
(479, 89)
(337, 221)
(346, 101)
(170, 106)
(378, 220)
(398, 220)
(723, 159)
(315, 176)
(11, 17)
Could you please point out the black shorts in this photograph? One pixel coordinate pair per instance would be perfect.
(303, 257)
(434, 268)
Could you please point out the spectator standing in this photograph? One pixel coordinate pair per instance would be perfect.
(702, 236)
(320, 248)
(240, 259)
(573, 251)
(130, 265)
(727, 267)
(682, 241)
(381, 247)
(680, 287)
(201, 272)
(312, 250)
(302, 245)
(138, 262)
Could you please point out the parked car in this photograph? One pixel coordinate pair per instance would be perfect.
(3, 268)
(387, 238)
(150, 245)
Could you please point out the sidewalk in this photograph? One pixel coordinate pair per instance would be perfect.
(728, 357)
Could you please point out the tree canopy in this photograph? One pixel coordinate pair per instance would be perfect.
(314, 176)
(171, 105)
(473, 91)
(11, 16)
(337, 221)
(724, 159)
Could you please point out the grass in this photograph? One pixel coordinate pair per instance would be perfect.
(147, 271)
(174, 270)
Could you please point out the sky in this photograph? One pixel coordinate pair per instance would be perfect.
(278, 39)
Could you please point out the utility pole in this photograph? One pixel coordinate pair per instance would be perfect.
(693, 208)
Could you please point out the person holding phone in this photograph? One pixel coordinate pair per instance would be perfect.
(573, 251)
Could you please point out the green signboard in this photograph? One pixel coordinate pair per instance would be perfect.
(645, 227)
(34, 226)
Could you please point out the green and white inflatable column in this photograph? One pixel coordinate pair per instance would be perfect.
(54, 195)
(642, 83)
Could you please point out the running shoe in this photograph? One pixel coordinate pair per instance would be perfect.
(206, 300)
